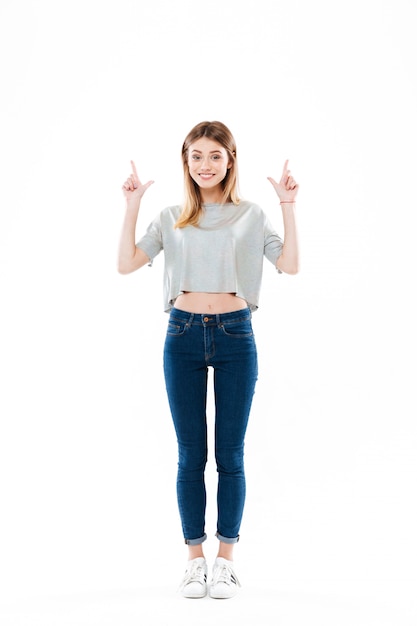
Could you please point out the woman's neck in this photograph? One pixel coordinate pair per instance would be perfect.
(211, 196)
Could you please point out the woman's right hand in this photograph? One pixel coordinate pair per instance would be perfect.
(132, 187)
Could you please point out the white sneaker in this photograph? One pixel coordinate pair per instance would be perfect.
(224, 582)
(194, 583)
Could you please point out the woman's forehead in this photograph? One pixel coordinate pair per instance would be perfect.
(204, 144)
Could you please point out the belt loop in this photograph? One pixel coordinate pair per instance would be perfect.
(191, 318)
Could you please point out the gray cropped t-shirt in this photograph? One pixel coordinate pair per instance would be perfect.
(223, 254)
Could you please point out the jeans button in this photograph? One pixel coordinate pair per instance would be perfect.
(206, 319)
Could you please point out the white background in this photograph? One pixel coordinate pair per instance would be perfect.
(89, 528)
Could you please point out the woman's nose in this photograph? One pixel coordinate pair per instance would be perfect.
(205, 164)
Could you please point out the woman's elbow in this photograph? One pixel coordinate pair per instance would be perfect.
(288, 266)
(124, 268)
(293, 269)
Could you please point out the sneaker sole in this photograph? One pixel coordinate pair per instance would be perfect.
(194, 596)
(222, 596)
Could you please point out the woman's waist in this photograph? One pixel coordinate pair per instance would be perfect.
(209, 303)
(177, 316)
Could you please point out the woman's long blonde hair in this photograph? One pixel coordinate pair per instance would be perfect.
(192, 207)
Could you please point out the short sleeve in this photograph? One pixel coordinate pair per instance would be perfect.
(272, 243)
(151, 242)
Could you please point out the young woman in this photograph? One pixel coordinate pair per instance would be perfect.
(214, 246)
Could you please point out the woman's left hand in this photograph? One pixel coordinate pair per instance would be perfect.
(287, 188)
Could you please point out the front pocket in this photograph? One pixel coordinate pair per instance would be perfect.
(238, 329)
(176, 327)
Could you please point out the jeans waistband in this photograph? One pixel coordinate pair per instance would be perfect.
(211, 319)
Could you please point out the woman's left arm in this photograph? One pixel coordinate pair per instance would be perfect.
(287, 190)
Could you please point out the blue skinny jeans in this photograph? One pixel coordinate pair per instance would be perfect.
(225, 342)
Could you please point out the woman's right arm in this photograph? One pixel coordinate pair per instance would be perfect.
(130, 257)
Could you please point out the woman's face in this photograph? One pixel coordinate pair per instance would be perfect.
(207, 163)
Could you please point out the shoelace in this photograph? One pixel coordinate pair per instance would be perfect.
(224, 574)
(196, 574)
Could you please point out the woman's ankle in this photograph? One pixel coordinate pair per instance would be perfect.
(225, 551)
(195, 552)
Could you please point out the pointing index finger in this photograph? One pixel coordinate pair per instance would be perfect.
(134, 169)
(285, 170)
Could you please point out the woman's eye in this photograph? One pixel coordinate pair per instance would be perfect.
(195, 157)
(216, 157)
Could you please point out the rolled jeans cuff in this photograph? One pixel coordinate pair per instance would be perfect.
(195, 542)
(227, 539)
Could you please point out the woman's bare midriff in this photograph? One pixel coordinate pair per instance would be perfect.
(195, 302)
